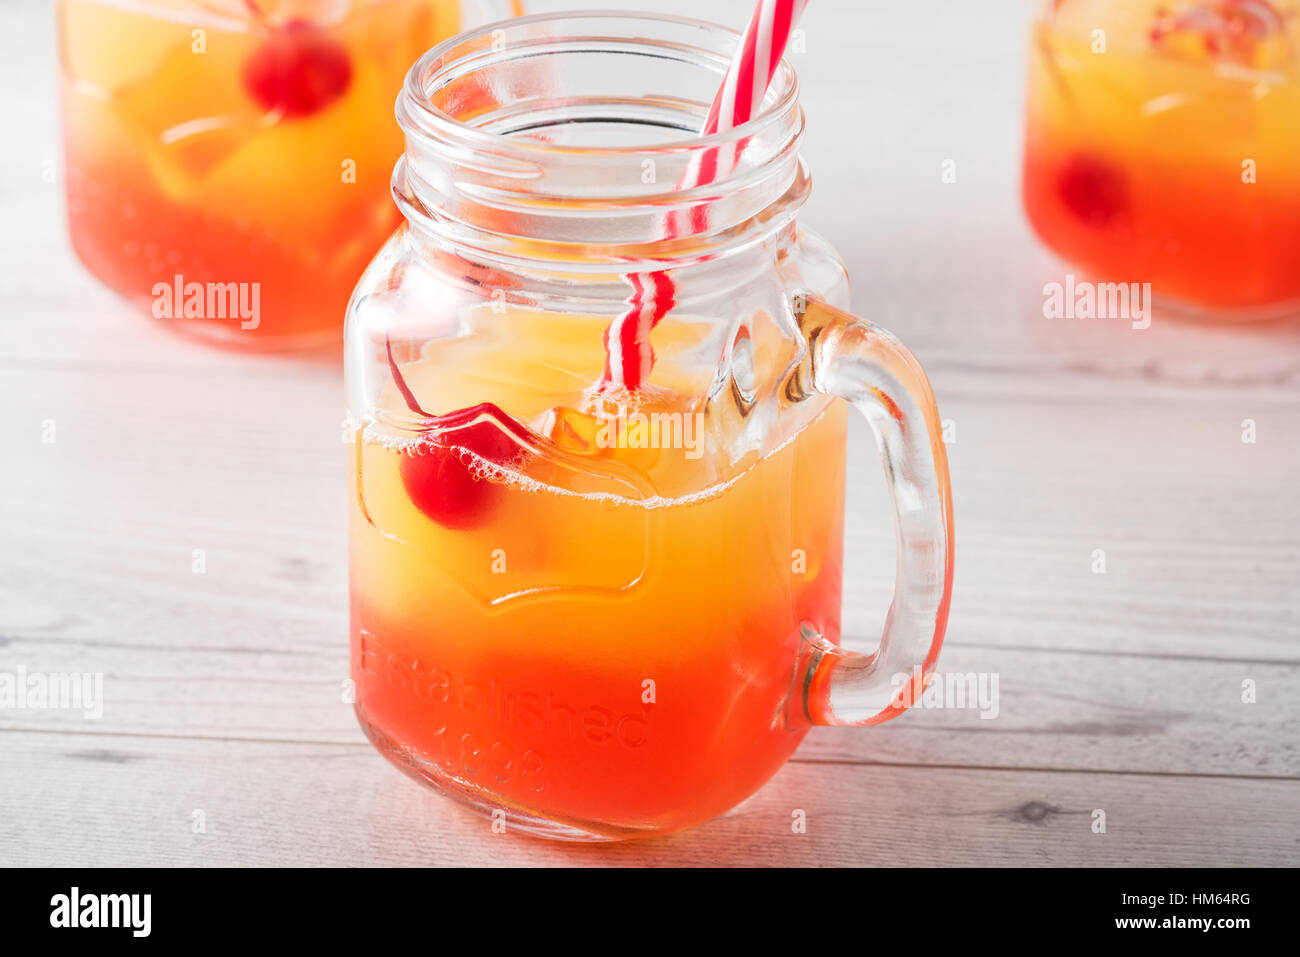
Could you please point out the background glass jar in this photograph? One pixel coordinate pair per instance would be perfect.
(227, 160)
(1161, 146)
(600, 611)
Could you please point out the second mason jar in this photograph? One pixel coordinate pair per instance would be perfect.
(227, 161)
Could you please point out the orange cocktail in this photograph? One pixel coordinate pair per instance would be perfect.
(228, 161)
(610, 653)
(595, 592)
(1162, 146)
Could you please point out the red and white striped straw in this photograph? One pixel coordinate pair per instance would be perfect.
(628, 356)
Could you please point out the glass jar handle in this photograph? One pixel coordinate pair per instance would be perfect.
(854, 360)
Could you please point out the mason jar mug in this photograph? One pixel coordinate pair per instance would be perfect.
(599, 419)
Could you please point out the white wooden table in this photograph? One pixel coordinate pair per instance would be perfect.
(1119, 691)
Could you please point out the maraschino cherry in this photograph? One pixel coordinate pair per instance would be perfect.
(297, 70)
(1094, 190)
(443, 475)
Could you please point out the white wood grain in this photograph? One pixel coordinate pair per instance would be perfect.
(1119, 691)
(1056, 710)
(77, 801)
(1199, 529)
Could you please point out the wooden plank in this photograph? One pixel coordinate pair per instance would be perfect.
(1200, 531)
(139, 476)
(75, 800)
(1049, 710)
